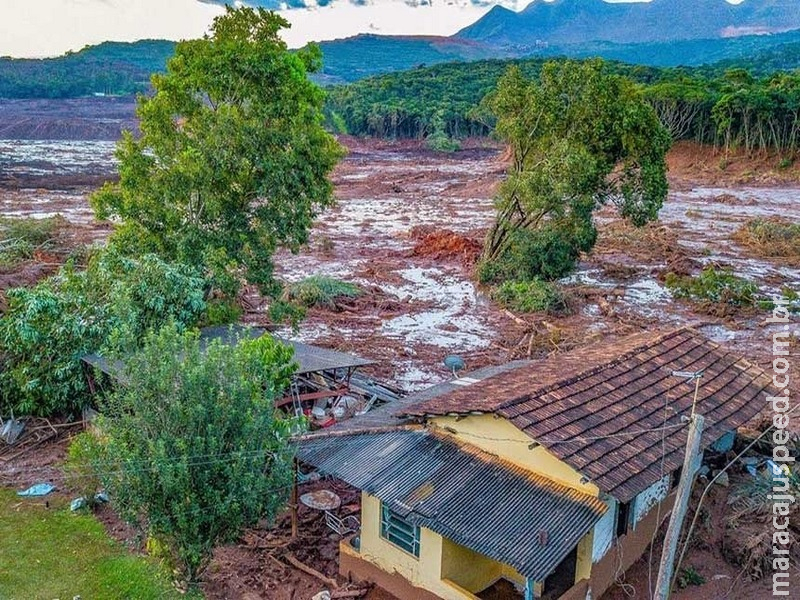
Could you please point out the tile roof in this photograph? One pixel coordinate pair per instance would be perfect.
(466, 495)
(601, 409)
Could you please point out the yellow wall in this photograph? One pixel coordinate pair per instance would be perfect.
(583, 564)
(498, 436)
(439, 559)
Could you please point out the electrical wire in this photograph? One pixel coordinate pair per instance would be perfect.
(689, 532)
(554, 441)
(658, 509)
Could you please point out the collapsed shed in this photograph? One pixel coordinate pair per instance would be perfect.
(326, 385)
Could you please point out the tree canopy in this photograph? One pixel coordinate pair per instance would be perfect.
(47, 329)
(708, 105)
(579, 138)
(192, 448)
(232, 161)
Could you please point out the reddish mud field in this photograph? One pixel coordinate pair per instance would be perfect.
(407, 228)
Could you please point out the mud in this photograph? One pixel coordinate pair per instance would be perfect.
(406, 228)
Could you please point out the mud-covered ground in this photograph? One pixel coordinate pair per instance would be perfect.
(407, 228)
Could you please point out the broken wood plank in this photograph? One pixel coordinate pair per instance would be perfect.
(349, 593)
(313, 572)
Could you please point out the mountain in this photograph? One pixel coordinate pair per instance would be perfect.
(112, 68)
(365, 55)
(560, 22)
(125, 68)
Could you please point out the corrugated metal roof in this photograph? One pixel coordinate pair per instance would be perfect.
(601, 409)
(466, 495)
(311, 359)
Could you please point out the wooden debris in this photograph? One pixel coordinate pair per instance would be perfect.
(313, 572)
(349, 593)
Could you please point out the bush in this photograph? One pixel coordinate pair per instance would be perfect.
(439, 141)
(48, 328)
(548, 253)
(80, 468)
(319, 290)
(20, 238)
(221, 312)
(774, 238)
(714, 288)
(193, 446)
(689, 576)
(530, 296)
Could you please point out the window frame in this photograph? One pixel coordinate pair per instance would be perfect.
(399, 532)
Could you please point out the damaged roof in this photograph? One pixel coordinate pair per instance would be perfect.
(602, 409)
(311, 359)
(390, 414)
(469, 496)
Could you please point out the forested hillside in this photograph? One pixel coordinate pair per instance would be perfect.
(122, 68)
(713, 105)
(111, 68)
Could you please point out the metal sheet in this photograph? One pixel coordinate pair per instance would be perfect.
(468, 496)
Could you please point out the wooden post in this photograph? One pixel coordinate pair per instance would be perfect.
(294, 500)
(691, 463)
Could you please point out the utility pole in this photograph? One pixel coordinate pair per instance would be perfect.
(691, 464)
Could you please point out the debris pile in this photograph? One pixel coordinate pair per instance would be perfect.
(444, 244)
(269, 561)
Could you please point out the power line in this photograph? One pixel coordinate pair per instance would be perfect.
(554, 441)
(708, 487)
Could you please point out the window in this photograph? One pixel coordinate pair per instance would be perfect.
(399, 532)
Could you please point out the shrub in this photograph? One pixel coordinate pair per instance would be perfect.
(221, 311)
(48, 328)
(690, 576)
(439, 141)
(319, 290)
(548, 253)
(714, 288)
(193, 446)
(530, 296)
(774, 238)
(20, 238)
(81, 467)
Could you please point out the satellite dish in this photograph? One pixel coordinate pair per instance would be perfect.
(454, 363)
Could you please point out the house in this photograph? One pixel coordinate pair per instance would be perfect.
(542, 479)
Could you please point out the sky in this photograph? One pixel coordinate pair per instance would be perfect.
(39, 28)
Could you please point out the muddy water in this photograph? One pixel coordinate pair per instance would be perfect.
(383, 194)
(711, 215)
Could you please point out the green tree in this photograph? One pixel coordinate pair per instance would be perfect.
(193, 449)
(579, 138)
(48, 328)
(232, 161)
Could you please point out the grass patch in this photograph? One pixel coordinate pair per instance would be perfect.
(319, 290)
(52, 553)
(21, 238)
(771, 238)
(688, 577)
(716, 291)
(530, 296)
